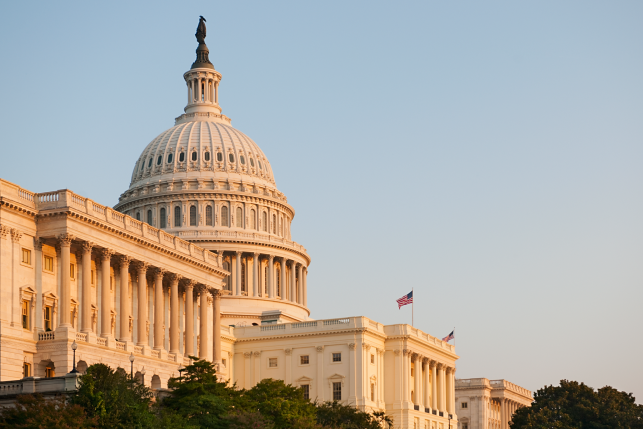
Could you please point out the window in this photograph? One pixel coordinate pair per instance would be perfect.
(26, 369)
(93, 276)
(149, 217)
(170, 157)
(159, 160)
(272, 363)
(259, 162)
(231, 157)
(49, 263)
(337, 391)
(373, 392)
(337, 357)
(465, 405)
(306, 389)
(239, 217)
(372, 358)
(304, 360)
(206, 156)
(177, 216)
(242, 159)
(149, 164)
(252, 162)
(224, 216)
(219, 156)
(465, 426)
(48, 325)
(192, 215)
(253, 219)
(274, 224)
(26, 256)
(72, 271)
(138, 215)
(194, 156)
(208, 216)
(163, 218)
(281, 226)
(412, 370)
(49, 372)
(25, 314)
(182, 157)
(265, 221)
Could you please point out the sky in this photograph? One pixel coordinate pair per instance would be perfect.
(486, 155)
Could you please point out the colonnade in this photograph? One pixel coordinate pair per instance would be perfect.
(256, 282)
(430, 386)
(507, 410)
(160, 275)
(203, 89)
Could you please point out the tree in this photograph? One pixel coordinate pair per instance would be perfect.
(575, 405)
(284, 405)
(35, 412)
(336, 415)
(114, 399)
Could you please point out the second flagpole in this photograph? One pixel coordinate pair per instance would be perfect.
(412, 308)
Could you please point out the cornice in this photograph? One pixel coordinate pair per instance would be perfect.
(418, 341)
(313, 334)
(22, 209)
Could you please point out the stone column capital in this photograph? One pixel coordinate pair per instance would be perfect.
(288, 352)
(247, 355)
(37, 243)
(441, 366)
(159, 272)
(124, 261)
(216, 293)
(106, 254)
(319, 349)
(351, 346)
(4, 230)
(64, 240)
(174, 277)
(141, 266)
(189, 284)
(87, 246)
(256, 354)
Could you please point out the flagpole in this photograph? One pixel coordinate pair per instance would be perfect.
(412, 309)
(454, 336)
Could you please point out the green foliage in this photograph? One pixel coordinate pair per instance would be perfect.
(35, 412)
(336, 415)
(114, 399)
(575, 405)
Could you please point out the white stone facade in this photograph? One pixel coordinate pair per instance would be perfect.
(488, 404)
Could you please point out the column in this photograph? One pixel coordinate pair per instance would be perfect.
(352, 379)
(503, 413)
(216, 92)
(203, 349)
(288, 367)
(105, 293)
(125, 304)
(141, 328)
(216, 334)
(271, 269)
(255, 274)
(305, 287)
(174, 313)
(448, 391)
(319, 360)
(301, 284)
(65, 295)
(427, 384)
(441, 388)
(282, 277)
(238, 272)
(434, 385)
(189, 318)
(159, 304)
(293, 281)
(416, 378)
(86, 318)
(405, 376)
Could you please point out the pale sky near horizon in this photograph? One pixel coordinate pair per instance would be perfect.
(486, 154)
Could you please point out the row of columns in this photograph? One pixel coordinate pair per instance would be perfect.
(203, 90)
(296, 292)
(433, 383)
(142, 268)
(507, 410)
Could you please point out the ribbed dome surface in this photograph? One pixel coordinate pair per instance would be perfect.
(202, 149)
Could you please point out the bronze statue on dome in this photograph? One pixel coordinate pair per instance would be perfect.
(200, 30)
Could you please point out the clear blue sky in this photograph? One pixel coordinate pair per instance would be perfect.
(486, 154)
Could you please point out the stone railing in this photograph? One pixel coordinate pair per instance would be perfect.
(499, 384)
(44, 336)
(55, 385)
(81, 337)
(101, 341)
(138, 350)
(243, 235)
(65, 198)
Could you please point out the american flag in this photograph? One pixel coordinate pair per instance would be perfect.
(449, 337)
(406, 299)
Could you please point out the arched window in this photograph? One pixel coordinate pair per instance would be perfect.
(228, 282)
(274, 224)
(149, 164)
(224, 216)
(177, 216)
(281, 226)
(239, 217)
(194, 156)
(219, 156)
(163, 218)
(206, 156)
(208, 215)
(149, 217)
(278, 284)
(252, 162)
(264, 220)
(182, 157)
(192, 215)
(265, 282)
(159, 160)
(170, 157)
(231, 157)
(253, 219)
(138, 215)
(242, 159)
(260, 166)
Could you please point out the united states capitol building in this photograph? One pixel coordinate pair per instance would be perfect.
(196, 259)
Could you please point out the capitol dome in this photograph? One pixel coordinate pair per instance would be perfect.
(206, 182)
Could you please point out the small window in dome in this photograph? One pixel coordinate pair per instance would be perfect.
(260, 165)
(219, 156)
(231, 157)
(206, 156)
(252, 162)
(182, 157)
(194, 156)
(242, 159)
(159, 160)
(169, 158)
(149, 164)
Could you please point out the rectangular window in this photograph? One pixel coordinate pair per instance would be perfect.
(93, 276)
(272, 363)
(26, 369)
(49, 372)
(26, 256)
(304, 360)
(306, 389)
(465, 405)
(25, 314)
(72, 271)
(337, 357)
(373, 392)
(48, 318)
(372, 358)
(337, 391)
(49, 264)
